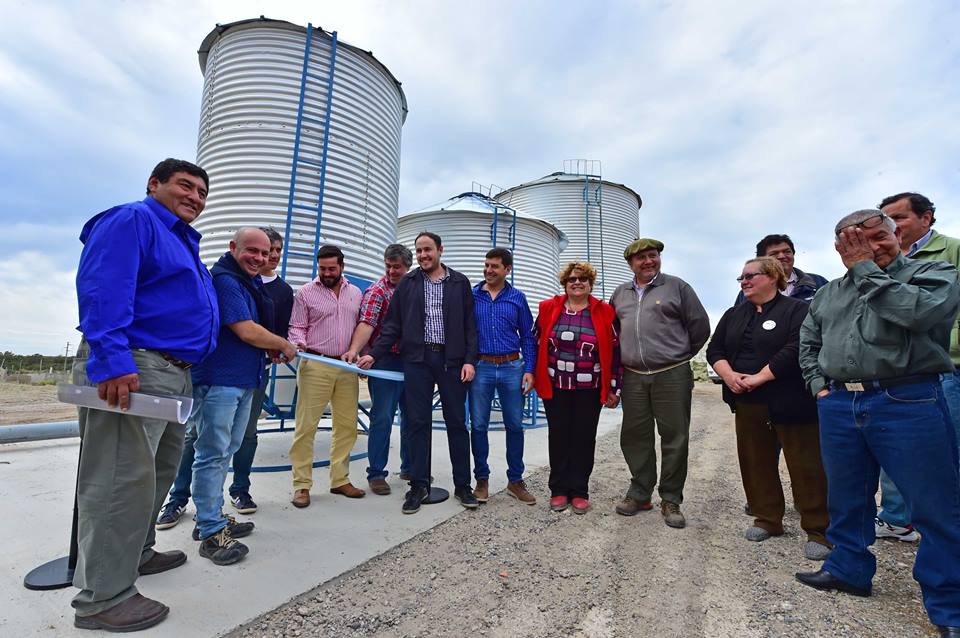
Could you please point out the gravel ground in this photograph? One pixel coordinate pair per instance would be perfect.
(511, 570)
(22, 403)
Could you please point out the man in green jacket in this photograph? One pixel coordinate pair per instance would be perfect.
(914, 215)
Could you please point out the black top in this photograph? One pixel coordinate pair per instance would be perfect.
(282, 295)
(776, 342)
(406, 317)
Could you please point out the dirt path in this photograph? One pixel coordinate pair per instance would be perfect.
(510, 570)
(22, 403)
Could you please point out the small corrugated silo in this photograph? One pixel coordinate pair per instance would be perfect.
(301, 132)
(470, 224)
(600, 218)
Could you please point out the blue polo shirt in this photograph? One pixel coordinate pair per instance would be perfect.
(234, 363)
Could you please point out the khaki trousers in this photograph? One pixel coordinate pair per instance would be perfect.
(757, 443)
(317, 386)
(127, 464)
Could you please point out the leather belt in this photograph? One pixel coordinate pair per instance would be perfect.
(436, 347)
(500, 358)
(319, 354)
(883, 384)
(180, 363)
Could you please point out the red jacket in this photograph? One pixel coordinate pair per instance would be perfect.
(602, 314)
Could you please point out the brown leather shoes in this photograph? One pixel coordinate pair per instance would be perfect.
(135, 613)
(630, 506)
(301, 498)
(348, 490)
(482, 491)
(379, 486)
(162, 561)
(518, 490)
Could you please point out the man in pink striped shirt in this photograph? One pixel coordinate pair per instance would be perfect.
(325, 312)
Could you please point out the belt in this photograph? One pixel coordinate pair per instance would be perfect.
(500, 358)
(436, 347)
(320, 354)
(180, 363)
(882, 384)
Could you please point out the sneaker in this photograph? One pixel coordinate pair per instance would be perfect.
(518, 490)
(813, 550)
(222, 548)
(580, 505)
(756, 534)
(243, 503)
(559, 503)
(482, 491)
(671, 515)
(237, 530)
(630, 506)
(170, 515)
(907, 534)
(465, 496)
(414, 498)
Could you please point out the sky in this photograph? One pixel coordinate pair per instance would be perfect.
(731, 119)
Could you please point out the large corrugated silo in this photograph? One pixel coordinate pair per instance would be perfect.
(301, 132)
(599, 218)
(466, 225)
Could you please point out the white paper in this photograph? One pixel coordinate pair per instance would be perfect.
(171, 408)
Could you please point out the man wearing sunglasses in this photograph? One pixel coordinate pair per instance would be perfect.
(914, 215)
(872, 350)
(662, 326)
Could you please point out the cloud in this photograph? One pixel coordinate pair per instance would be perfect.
(39, 302)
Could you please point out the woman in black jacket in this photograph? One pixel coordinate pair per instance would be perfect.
(755, 351)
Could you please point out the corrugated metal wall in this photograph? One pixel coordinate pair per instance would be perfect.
(252, 72)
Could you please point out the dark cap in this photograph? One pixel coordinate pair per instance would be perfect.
(639, 245)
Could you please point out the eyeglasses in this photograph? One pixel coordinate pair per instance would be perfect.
(749, 276)
(575, 279)
(870, 222)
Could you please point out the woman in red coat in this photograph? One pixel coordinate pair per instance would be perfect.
(578, 372)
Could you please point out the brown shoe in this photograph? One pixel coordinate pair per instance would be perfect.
(630, 506)
(379, 487)
(671, 515)
(482, 491)
(135, 613)
(162, 561)
(301, 498)
(518, 490)
(348, 490)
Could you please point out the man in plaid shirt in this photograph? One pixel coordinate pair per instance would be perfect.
(386, 395)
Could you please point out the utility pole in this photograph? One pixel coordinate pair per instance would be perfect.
(66, 355)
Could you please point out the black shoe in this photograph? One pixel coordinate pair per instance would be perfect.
(243, 503)
(223, 549)
(170, 515)
(465, 496)
(414, 498)
(948, 632)
(237, 530)
(162, 561)
(826, 581)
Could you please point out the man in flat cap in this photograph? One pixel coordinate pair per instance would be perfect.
(873, 348)
(662, 326)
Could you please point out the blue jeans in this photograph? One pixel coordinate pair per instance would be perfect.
(908, 431)
(386, 397)
(505, 379)
(893, 508)
(419, 379)
(242, 458)
(219, 417)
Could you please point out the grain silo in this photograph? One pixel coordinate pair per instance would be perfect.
(470, 224)
(598, 217)
(301, 132)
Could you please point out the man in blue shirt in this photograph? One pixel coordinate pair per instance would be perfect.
(147, 312)
(224, 385)
(504, 329)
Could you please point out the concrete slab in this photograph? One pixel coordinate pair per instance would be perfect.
(291, 551)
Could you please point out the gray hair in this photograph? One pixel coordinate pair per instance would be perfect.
(272, 234)
(398, 251)
(858, 217)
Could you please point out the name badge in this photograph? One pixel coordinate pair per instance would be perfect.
(769, 324)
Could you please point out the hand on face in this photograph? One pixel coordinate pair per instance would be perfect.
(853, 246)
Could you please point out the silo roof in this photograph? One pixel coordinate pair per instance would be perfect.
(473, 202)
(220, 29)
(560, 176)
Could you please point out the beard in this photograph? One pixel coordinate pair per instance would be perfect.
(330, 282)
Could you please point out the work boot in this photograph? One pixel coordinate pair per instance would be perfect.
(671, 515)
(222, 548)
(518, 490)
(482, 490)
(630, 506)
(379, 486)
